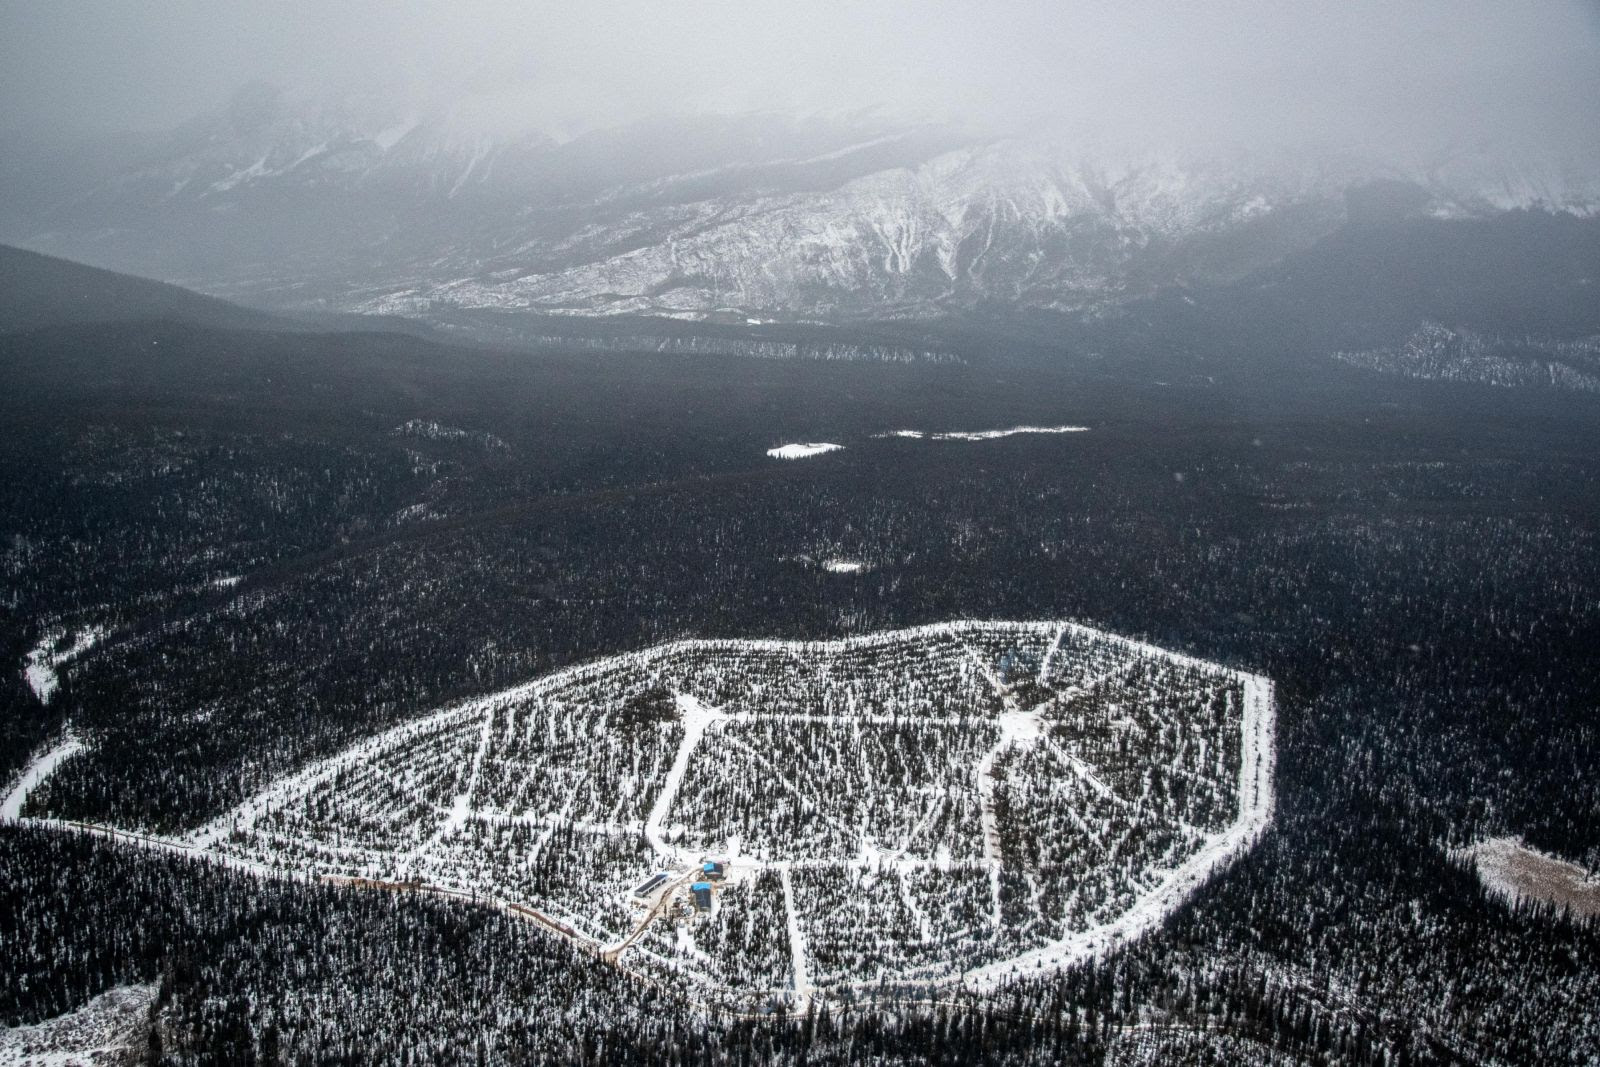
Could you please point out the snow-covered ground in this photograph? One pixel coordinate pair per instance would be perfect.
(803, 450)
(797, 944)
(1511, 869)
(110, 1029)
(41, 767)
(982, 435)
(51, 654)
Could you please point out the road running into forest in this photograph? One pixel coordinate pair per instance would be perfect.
(35, 773)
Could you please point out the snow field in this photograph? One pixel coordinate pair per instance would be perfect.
(1513, 870)
(53, 652)
(981, 435)
(109, 1029)
(37, 770)
(803, 450)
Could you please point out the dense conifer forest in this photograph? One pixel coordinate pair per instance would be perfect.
(286, 542)
(1036, 533)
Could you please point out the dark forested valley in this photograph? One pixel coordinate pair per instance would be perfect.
(287, 538)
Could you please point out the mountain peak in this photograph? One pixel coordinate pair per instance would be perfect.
(367, 205)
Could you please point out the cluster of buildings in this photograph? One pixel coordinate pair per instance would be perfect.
(700, 891)
(710, 871)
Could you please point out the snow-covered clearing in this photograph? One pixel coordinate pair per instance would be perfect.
(802, 450)
(1511, 869)
(48, 657)
(40, 768)
(981, 435)
(461, 804)
(1016, 728)
(290, 786)
(798, 954)
(110, 1029)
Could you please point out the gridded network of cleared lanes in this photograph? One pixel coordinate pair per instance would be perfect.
(901, 808)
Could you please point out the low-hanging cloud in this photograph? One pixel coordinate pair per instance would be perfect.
(1361, 73)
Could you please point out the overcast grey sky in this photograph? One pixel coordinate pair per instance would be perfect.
(1355, 69)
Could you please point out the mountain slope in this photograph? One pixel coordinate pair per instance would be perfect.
(38, 291)
(732, 217)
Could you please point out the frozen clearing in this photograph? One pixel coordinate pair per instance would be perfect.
(42, 767)
(1510, 869)
(109, 1029)
(802, 450)
(982, 435)
(47, 657)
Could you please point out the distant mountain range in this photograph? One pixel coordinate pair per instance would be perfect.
(764, 217)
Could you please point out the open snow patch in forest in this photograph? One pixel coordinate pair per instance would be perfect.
(982, 435)
(49, 655)
(108, 1029)
(802, 450)
(42, 767)
(1511, 869)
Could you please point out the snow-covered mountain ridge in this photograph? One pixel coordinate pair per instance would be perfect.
(766, 216)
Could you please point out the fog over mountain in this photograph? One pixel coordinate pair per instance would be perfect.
(1360, 75)
(767, 160)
